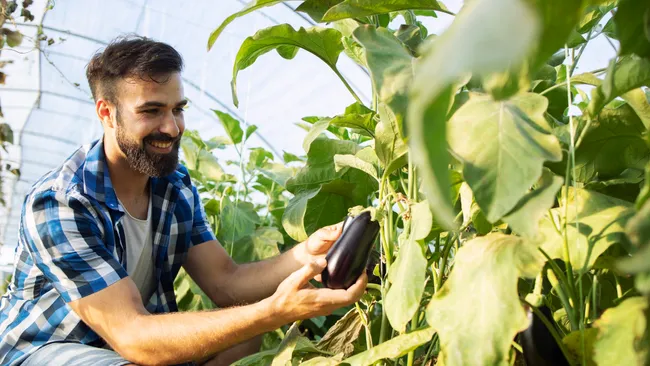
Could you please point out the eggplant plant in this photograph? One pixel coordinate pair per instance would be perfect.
(503, 181)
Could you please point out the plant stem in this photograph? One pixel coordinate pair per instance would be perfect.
(582, 49)
(445, 255)
(345, 82)
(597, 71)
(362, 315)
(430, 350)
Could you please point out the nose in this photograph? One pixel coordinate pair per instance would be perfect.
(172, 125)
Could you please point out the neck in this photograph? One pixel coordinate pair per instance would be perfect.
(127, 182)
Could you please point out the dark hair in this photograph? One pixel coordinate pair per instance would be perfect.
(130, 56)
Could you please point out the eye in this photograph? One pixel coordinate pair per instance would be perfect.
(150, 111)
(179, 110)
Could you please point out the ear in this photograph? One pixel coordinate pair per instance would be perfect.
(105, 112)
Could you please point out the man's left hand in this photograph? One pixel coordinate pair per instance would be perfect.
(317, 245)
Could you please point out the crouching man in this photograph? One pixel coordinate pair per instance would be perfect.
(103, 236)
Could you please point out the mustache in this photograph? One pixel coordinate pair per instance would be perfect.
(162, 137)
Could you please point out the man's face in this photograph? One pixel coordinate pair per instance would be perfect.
(149, 123)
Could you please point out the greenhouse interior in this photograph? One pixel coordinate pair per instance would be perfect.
(467, 182)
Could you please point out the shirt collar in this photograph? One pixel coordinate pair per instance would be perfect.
(97, 180)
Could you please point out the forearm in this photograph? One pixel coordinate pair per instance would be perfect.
(181, 337)
(258, 280)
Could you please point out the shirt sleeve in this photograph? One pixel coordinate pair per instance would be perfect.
(201, 230)
(62, 234)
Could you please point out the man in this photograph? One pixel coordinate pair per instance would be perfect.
(103, 236)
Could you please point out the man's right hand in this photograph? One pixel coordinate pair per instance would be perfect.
(296, 299)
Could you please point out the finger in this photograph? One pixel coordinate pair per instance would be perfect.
(329, 233)
(302, 276)
(319, 278)
(358, 288)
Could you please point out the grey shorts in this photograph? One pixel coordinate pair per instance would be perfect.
(73, 354)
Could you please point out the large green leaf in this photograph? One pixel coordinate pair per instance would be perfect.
(325, 43)
(525, 217)
(558, 19)
(279, 173)
(316, 9)
(503, 146)
(601, 222)
(362, 8)
(638, 231)
(357, 117)
(390, 65)
(365, 160)
(632, 20)
(231, 125)
(466, 47)
(262, 244)
(389, 144)
(407, 275)
(320, 167)
(316, 130)
(421, 220)
(631, 72)
(237, 220)
(620, 331)
(613, 144)
(485, 272)
(294, 215)
(249, 8)
(208, 165)
(391, 349)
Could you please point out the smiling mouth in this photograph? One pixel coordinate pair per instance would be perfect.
(160, 145)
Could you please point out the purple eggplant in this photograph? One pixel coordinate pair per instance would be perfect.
(347, 258)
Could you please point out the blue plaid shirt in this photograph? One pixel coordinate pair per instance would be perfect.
(72, 244)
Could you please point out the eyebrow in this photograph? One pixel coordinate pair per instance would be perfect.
(154, 103)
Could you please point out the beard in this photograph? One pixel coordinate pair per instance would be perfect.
(143, 161)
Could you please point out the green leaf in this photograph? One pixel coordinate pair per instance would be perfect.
(258, 157)
(320, 166)
(357, 117)
(460, 51)
(316, 9)
(632, 20)
(340, 337)
(208, 165)
(315, 131)
(501, 169)
(636, 98)
(558, 21)
(285, 350)
(294, 214)
(411, 36)
(638, 231)
(421, 220)
(288, 157)
(613, 144)
(631, 72)
(237, 220)
(352, 161)
(389, 144)
(573, 343)
(250, 130)
(231, 126)
(407, 275)
(279, 173)
(354, 51)
(601, 223)
(262, 244)
(362, 8)
(620, 331)
(324, 43)
(249, 8)
(525, 217)
(190, 151)
(392, 348)
(390, 65)
(485, 272)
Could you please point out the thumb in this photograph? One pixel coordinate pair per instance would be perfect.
(329, 233)
(299, 278)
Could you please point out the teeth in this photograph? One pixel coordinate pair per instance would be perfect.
(161, 145)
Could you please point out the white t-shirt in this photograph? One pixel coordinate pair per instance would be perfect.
(139, 254)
